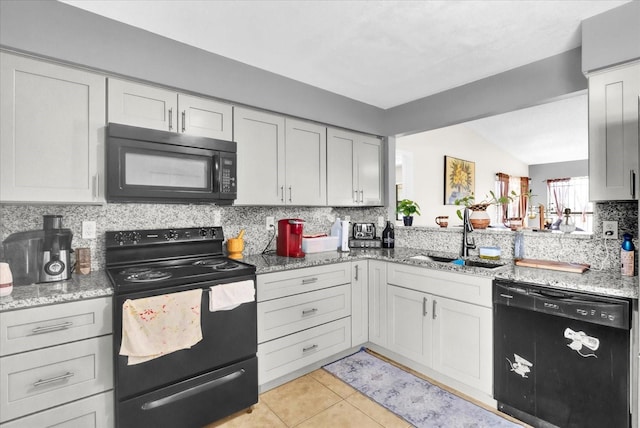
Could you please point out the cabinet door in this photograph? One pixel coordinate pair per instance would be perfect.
(205, 118)
(51, 132)
(369, 170)
(306, 163)
(341, 184)
(359, 303)
(613, 133)
(377, 274)
(462, 342)
(140, 105)
(261, 160)
(409, 323)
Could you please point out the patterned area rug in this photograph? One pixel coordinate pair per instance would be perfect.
(413, 399)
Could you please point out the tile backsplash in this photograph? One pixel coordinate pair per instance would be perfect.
(109, 217)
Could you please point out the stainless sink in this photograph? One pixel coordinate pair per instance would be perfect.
(470, 263)
(427, 258)
(475, 263)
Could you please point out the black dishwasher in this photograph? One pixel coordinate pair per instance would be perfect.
(561, 358)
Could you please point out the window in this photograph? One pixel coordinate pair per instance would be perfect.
(572, 193)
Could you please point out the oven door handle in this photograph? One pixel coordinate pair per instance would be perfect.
(169, 399)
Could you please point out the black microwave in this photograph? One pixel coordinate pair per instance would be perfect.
(148, 165)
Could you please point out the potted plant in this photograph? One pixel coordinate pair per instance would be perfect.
(479, 217)
(408, 208)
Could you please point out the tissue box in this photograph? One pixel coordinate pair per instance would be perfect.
(320, 244)
(491, 253)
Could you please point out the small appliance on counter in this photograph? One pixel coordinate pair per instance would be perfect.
(364, 231)
(289, 242)
(40, 255)
(56, 250)
(364, 236)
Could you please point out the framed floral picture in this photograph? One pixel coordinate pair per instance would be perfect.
(459, 179)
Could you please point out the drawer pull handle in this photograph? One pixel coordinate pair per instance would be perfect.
(309, 348)
(309, 280)
(50, 328)
(41, 382)
(309, 311)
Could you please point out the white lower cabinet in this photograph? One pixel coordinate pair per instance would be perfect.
(289, 353)
(92, 412)
(377, 286)
(409, 326)
(359, 303)
(56, 365)
(304, 316)
(442, 320)
(462, 342)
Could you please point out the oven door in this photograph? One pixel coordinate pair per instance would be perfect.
(228, 337)
(156, 166)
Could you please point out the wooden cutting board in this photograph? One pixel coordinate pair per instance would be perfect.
(550, 264)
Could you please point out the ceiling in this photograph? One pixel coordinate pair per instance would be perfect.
(382, 53)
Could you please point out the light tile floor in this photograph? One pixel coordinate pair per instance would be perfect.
(320, 400)
(315, 400)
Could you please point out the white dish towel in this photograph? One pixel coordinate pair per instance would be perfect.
(158, 325)
(224, 297)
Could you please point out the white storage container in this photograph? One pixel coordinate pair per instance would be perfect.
(320, 244)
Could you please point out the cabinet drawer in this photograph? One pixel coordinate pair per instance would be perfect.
(41, 379)
(290, 353)
(466, 288)
(27, 329)
(92, 412)
(288, 315)
(286, 283)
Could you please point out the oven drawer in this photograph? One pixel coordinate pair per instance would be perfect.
(27, 329)
(290, 353)
(296, 281)
(92, 412)
(37, 380)
(288, 315)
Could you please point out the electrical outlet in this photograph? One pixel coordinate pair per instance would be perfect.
(88, 230)
(380, 221)
(610, 229)
(270, 223)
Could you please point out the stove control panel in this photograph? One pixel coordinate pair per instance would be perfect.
(157, 236)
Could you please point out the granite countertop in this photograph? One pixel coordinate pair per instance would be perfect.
(79, 287)
(605, 283)
(96, 284)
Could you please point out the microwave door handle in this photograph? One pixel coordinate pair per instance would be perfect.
(216, 173)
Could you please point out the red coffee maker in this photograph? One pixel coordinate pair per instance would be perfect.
(289, 243)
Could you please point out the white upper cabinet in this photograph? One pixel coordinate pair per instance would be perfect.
(260, 139)
(354, 169)
(280, 161)
(306, 163)
(614, 98)
(151, 107)
(51, 132)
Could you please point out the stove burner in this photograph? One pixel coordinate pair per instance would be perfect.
(148, 275)
(210, 263)
(217, 264)
(228, 266)
(135, 270)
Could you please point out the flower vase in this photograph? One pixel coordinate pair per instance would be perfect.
(408, 220)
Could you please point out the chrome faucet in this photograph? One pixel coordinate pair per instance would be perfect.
(467, 242)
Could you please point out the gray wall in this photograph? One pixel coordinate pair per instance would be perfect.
(521, 87)
(542, 172)
(611, 38)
